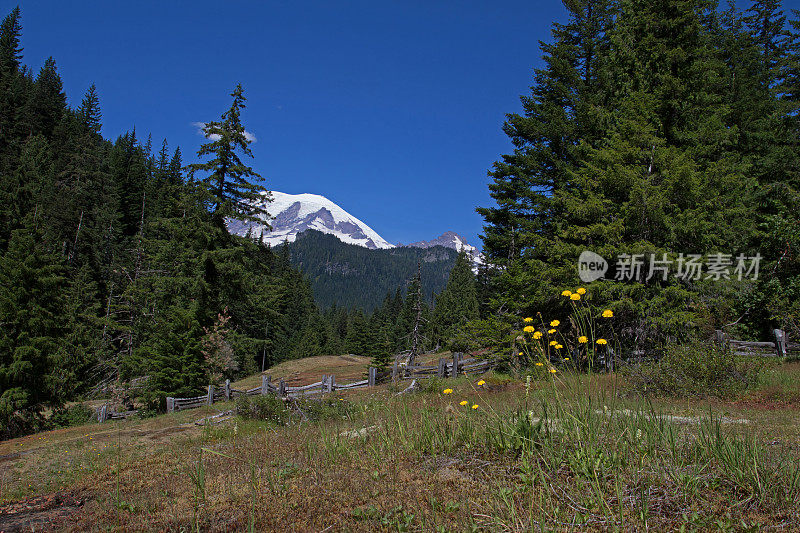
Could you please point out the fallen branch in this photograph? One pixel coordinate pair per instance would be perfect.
(214, 419)
(411, 388)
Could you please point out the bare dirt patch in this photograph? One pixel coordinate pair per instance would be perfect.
(41, 513)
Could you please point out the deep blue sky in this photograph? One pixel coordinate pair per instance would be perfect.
(391, 109)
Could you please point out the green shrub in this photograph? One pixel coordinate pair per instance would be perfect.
(273, 409)
(324, 408)
(433, 385)
(74, 415)
(268, 407)
(697, 370)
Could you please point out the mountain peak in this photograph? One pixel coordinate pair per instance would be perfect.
(448, 239)
(294, 213)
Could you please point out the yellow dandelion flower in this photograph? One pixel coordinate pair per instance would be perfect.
(555, 323)
(521, 353)
(608, 313)
(463, 402)
(583, 339)
(558, 346)
(602, 341)
(481, 383)
(575, 297)
(566, 359)
(447, 391)
(553, 343)
(553, 370)
(566, 293)
(475, 406)
(529, 329)
(551, 331)
(539, 364)
(537, 335)
(527, 319)
(581, 291)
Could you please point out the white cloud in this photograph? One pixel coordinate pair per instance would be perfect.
(200, 125)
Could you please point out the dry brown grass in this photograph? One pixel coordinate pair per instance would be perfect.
(407, 474)
(309, 370)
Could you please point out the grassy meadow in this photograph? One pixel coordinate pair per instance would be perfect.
(555, 452)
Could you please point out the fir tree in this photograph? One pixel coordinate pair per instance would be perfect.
(458, 302)
(230, 191)
(33, 314)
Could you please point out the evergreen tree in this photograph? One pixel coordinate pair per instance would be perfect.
(47, 102)
(230, 191)
(33, 314)
(457, 304)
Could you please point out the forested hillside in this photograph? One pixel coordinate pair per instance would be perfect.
(352, 276)
(656, 131)
(113, 264)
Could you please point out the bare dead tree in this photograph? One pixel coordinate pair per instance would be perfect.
(416, 332)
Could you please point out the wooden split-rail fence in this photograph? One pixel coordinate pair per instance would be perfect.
(778, 347)
(327, 384)
(446, 367)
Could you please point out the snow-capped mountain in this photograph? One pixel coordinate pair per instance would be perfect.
(452, 240)
(295, 213)
(449, 239)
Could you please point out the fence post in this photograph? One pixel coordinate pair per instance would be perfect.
(264, 385)
(331, 382)
(442, 370)
(780, 342)
(210, 400)
(456, 358)
(721, 338)
(101, 414)
(227, 389)
(170, 404)
(372, 377)
(281, 388)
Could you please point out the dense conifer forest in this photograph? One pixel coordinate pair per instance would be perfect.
(658, 135)
(655, 130)
(356, 277)
(115, 262)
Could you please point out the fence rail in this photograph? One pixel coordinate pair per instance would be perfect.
(326, 385)
(778, 347)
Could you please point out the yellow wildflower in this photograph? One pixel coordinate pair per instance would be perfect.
(537, 335)
(555, 323)
(481, 383)
(553, 343)
(527, 319)
(463, 402)
(529, 329)
(581, 291)
(566, 359)
(608, 313)
(447, 391)
(558, 346)
(566, 293)
(475, 406)
(602, 341)
(553, 370)
(539, 364)
(551, 331)
(575, 297)
(583, 339)
(520, 353)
